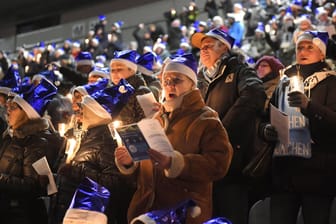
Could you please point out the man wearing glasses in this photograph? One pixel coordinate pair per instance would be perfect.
(233, 89)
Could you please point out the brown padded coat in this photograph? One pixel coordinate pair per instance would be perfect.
(203, 154)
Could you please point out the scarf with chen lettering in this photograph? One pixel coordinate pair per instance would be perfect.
(299, 134)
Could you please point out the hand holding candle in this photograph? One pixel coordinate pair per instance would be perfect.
(70, 151)
(296, 84)
(116, 124)
(62, 129)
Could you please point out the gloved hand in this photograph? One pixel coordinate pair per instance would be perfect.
(44, 180)
(269, 133)
(298, 99)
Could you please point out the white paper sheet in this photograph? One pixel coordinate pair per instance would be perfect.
(280, 121)
(146, 102)
(42, 168)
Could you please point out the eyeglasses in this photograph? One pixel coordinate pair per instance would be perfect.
(207, 47)
(172, 82)
(117, 70)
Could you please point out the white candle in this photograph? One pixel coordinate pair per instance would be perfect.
(296, 84)
(117, 124)
(162, 96)
(69, 96)
(61, 129)
(71, 145)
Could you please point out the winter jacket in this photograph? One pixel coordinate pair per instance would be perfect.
(132, 111)
(238, 96)
(19, 182)
(316, 174)
(202, 155)
(94, 159)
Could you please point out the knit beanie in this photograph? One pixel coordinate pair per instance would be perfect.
(275, 63)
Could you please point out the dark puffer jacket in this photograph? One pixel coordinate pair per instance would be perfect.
(20, 189)
(132, 111)
(94, 159)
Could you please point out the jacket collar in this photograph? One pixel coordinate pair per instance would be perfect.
(31, 127)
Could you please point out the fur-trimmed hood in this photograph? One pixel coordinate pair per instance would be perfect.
(31, 127)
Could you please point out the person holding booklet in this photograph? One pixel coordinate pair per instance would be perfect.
(201, 149)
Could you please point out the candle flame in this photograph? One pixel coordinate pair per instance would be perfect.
(72, 143)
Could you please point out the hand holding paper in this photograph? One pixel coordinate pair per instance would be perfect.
(122, 156)
(141, 136)
(159, 160)
(42, 168)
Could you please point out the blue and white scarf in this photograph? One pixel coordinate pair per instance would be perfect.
(299, 134)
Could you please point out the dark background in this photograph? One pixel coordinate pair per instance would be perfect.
(19, 16)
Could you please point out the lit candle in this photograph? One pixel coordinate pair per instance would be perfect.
(296, 84)
(61, 129)
(69, 96)
(71, 146)
(117, 124)
(162, 96)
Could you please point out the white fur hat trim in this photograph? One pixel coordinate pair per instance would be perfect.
(81, 216)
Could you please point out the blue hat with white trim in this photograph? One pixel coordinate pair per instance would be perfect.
(127, 57)
(12, 77)
(34, 100)
(318, 38)
(109, 101)
(219, 34)
(219, 220)
(145, 63)
(185, 64)
(177, 214)
(91, 88)
(84, 58)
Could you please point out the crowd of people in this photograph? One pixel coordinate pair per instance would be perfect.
(217, 85)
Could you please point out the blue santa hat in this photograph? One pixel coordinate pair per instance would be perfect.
(219, 34)
(100, 61)
(51, 75)
(11, 79)
(118, 24)
(84, 58)
(108, 102)
(185, 64)
(145, 63)
(101, 72)
(68, 41)
(102, 17)
(34, 100)
(320, 11)
(88, 204)
(318, 38)
(176, 214)
(159, 43)
(90, 88)
(260, 28)
(126, 57)
(219, 220)
(76, 44)
(297, 3)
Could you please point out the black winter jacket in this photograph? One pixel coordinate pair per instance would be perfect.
(94, 159)
(238, 95)
(20, 190)
(317, 174)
